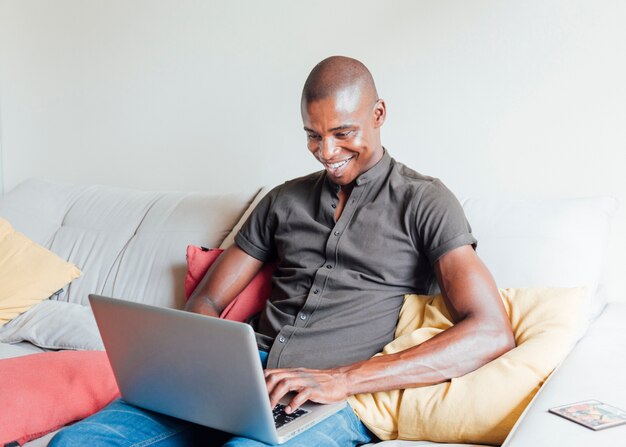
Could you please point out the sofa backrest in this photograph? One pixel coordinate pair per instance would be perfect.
(128, 243)
(545, 242)
(131, 244)
(541, 242)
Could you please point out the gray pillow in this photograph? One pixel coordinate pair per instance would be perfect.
(55, 325)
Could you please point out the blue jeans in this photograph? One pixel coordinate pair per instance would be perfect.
(123, 425)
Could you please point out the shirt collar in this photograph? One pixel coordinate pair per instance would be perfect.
(376, 171)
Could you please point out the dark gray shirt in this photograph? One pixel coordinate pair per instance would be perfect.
(339, 285)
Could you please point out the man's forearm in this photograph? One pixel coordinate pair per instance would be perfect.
(203, 305)
(225, 279)
(482, 332)
(455, 352)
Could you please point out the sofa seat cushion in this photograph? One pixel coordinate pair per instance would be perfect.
(482, 406)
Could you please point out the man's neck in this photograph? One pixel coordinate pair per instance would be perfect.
(343, 194)
(346, 189)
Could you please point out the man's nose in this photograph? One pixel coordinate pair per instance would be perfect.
(327, 148)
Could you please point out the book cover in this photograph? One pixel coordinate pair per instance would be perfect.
(592, 414)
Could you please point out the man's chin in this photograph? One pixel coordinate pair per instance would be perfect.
(341, 180)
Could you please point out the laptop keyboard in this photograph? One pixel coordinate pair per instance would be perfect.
(281, 418)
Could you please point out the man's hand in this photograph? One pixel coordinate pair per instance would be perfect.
(317, 385)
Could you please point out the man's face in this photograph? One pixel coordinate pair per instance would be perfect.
(343, 133)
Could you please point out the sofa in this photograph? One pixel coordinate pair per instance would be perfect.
(131, 244)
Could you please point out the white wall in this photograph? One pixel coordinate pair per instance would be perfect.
(500, 97)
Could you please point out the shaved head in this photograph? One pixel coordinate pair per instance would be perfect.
(342, 115)
(339, 75)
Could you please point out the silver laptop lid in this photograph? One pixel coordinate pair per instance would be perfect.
(190, 366)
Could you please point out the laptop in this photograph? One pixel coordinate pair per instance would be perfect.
(198, 368)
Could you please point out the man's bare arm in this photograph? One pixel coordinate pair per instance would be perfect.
(229, 275)
(481, 333)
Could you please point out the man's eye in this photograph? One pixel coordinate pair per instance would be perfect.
(311, 136)
(345, 134)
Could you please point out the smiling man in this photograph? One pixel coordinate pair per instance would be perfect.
(349, 241)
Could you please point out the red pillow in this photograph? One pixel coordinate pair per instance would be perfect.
(40, 393)
(251, 299)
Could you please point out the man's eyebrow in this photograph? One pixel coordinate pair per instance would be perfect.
(342, 127)
(334, 129)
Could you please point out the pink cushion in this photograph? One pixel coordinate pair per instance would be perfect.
(40, 393)
(251, 299)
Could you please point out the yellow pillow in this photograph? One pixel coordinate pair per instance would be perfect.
(28, 273)
(482, 406)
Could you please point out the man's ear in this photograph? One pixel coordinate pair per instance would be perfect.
(380, 113)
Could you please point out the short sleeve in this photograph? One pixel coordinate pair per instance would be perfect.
(256, 236)
(441, 222)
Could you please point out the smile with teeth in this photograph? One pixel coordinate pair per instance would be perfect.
(338, 165)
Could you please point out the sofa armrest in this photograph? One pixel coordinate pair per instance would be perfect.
(593, 370)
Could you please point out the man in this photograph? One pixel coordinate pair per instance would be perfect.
(349, 242)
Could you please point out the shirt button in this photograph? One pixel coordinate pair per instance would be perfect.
(303, 317)
(281, 339)
(333, 205)
(316, 291)
(329, 266)
(336, 233)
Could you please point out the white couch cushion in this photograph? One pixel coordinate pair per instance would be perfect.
(37, 208)
(128, 243)
(55, 324)
(547, 243)
(8, 351)
(152, 267)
